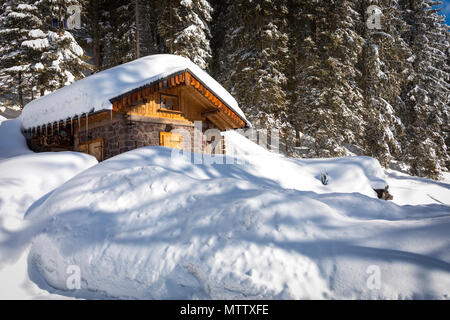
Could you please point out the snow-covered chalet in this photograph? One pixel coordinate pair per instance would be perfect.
(140, 103)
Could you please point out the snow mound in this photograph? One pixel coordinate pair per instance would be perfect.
(25, 177)
(411, 190)
(146, 225)
(345, 175)
(12, 142)
(94, 92)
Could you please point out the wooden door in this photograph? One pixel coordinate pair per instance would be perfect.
(96, 149)
(83, 148)
(93, 147)
(170, 140)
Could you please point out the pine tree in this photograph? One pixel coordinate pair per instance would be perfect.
(183, 26)
(111, 30)
(446, 117)
(326, 102)
(256, 55)
(95, 19)
(20, 44)
(120, 33)
(219, 27)
(62, 59)
(383, 67)
(426, 93)
(151, 42)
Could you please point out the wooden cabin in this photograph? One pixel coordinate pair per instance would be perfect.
(149, 115)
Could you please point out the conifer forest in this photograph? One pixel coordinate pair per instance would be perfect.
(335, 77)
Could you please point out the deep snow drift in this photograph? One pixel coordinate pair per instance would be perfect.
(12, 142)
(144, 225)
(25, 177)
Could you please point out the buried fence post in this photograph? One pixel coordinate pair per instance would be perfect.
(384, 194)
(324, 178)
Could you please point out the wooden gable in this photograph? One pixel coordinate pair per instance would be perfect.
(196, 102)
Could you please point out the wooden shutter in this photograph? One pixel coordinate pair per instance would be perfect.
(170, 140)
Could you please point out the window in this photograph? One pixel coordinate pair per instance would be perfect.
(55, 23)
(169, 102)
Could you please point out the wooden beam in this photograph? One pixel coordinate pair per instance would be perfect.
(220, 124)
(227, 120)
(209, 112)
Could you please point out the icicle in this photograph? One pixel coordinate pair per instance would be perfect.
(79, 124)
(57, 127)
(87, 124)
(71, 125)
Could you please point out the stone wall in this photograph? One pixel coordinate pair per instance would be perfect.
(122, 135)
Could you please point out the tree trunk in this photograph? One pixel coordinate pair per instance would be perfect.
(41, 89)
(171, 27)
(60, 21)
(97, 51)
(297, 137)
(138, 33)
(19, 90)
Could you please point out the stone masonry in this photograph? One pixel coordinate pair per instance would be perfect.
(121, 136)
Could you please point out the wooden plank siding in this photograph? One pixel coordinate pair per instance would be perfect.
(194, 99)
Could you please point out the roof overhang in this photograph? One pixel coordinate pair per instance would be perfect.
(183, 77)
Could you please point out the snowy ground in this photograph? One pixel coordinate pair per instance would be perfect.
(25, 177)
(146, 225)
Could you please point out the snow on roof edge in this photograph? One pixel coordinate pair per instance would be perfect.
(239, 114)
(94, 93)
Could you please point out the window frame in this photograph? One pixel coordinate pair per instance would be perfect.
(172, 97)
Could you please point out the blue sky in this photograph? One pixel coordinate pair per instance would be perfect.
(446, 9)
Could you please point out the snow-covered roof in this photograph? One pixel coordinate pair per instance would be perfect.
(94, 93)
